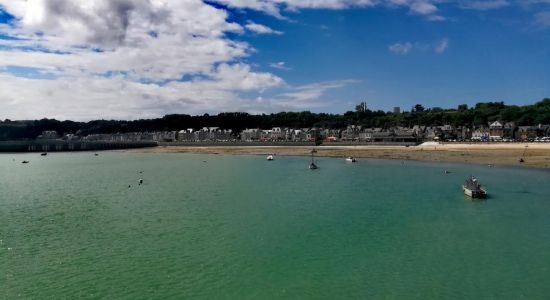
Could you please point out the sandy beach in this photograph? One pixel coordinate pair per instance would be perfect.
(536, 155)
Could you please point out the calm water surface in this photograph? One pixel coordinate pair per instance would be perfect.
(239, 227)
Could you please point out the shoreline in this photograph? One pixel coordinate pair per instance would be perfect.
(536, 155)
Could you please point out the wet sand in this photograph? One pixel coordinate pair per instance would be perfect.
(535, 155)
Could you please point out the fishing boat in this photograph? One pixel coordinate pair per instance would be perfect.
(473, 189)
(312, 165)
(44, 154)
(351, 159)
(270, 157)
(25, 162)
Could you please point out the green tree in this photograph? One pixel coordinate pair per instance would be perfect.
(418, 108)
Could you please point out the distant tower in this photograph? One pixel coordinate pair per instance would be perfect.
(362, 107)
(397, 110)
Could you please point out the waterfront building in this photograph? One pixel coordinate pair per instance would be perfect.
(249, 135)
(48, 135)
(496, 130)
(351, 133)
(397, 110)
(276, 134)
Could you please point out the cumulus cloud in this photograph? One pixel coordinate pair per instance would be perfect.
(261, 29)
(123, 59)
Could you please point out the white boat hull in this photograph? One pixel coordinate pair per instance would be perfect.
(472, 194)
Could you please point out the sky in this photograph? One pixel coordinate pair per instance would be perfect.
(132, 59)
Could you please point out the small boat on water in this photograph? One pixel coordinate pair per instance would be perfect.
(312, 165)
(270, 157)
(44, 154)
(25, 162)
(351, 159)
(472, 188)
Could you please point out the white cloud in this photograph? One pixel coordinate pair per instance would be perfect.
(124, 59)
(280, 65)
(127, 58)
(427, 8)
(156, 40)
(310, 95)
(274, 7)
(261, 29)
(404, 48)
(483, 4)
(423, 7)
(401, 48)
(83, 98)
(315, 90)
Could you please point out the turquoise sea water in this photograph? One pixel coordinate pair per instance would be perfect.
(240, 227)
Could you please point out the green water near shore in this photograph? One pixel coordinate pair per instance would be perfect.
(239, 227)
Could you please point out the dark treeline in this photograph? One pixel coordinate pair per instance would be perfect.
(479, 115)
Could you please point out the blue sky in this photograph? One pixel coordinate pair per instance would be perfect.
(493, 55)
(267, 56)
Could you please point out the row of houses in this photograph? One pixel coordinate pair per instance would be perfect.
(495, 131)
(188, 135)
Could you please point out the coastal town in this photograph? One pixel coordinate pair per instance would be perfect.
(493, 132)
